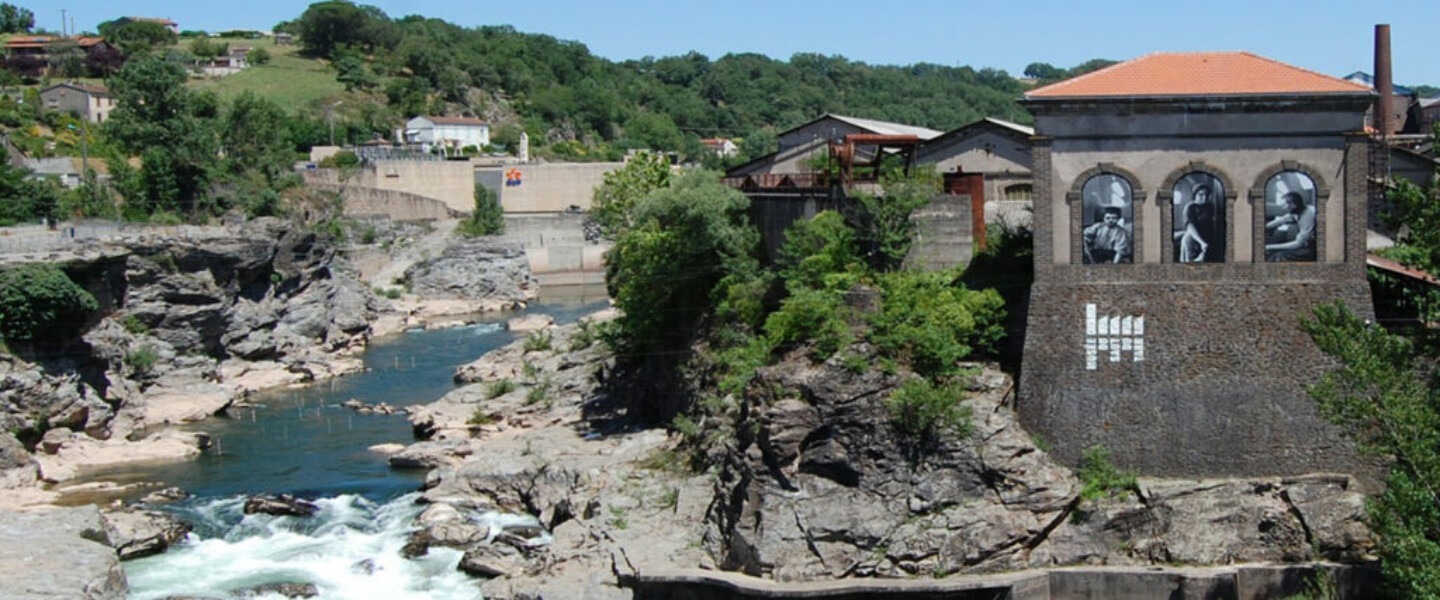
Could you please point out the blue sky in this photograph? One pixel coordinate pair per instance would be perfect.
(1330, 36)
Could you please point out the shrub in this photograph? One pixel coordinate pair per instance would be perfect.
(933, 324)
(40, 302)
(539, 393)
(480, 417)
(584, 336)
(134, 325)
(920, 409)
(539, 341)
(142, 359)
(811, 315)
(488, 218)
(499, 388)
(1100, 478)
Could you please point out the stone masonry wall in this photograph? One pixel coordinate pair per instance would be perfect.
(1210, 383)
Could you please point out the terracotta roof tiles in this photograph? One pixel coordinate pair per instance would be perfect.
(1198, 74)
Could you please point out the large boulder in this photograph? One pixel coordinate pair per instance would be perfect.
(475, 270)
(139, 533)
(59, 553)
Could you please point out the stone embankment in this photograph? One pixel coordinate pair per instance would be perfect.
(820, 496)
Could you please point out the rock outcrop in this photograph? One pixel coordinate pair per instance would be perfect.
(59, 553)
(818, 485)
(475, 270)
(187, 326)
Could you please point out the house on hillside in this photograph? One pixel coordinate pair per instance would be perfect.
(90, 102)
(1190, 210)
(449, 134)
(722, 147)
(32, 55)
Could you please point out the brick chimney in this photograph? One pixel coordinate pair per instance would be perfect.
(1384, 116)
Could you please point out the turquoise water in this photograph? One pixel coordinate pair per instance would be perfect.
(302, 442)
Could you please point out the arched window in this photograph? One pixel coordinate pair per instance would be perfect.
(1290, 217)
(1107, 234)
(1019, 191)
(1198, 219)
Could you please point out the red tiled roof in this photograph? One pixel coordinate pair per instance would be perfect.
(40, 41)
(1198, 74)
(29, 41)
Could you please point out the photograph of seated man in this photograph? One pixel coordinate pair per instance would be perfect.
(1290, 231)
(1106, 236)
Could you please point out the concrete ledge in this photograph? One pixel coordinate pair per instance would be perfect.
(696, 584)
(1235, 582)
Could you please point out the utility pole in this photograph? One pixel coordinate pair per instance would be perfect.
(62, 22)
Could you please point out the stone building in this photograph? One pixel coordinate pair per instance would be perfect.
(997, 151)
(90, 102)
(800, 145)
(1190, 210)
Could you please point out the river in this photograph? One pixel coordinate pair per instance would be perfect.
(303, 442)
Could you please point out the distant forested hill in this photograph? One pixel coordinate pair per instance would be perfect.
(573, 103)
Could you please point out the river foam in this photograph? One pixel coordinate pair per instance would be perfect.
(350, 549)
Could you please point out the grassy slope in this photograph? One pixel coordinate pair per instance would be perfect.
(292, 81)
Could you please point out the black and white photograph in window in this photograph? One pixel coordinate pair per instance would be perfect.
(1107, 231)
(1198, 220)
(1290, 218)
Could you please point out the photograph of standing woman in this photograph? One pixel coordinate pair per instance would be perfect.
(1199, 219)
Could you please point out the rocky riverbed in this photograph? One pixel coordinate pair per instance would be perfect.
(188, 326)
(816, 484)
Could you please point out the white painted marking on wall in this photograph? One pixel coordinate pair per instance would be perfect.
(1112, 335)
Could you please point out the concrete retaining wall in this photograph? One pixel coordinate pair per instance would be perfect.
(451, 183)
(400, 206)
(556, 243)
(544, 188)
(1237, 582)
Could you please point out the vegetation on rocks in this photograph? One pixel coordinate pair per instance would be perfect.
(488, 217)
(40, 304)
(701, 314)
(1386, 394)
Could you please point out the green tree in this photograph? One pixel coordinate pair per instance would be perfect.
(488, 218)
(26, 199)
(137, 37)
(613, 207)
(885, 230)
(40, 304)
(258, 56)
(327, 26)
(170, 127)
(682, 240)
(203, 47)
(254, 138)
(1044, 71)
(1386, 393)
(14, 19)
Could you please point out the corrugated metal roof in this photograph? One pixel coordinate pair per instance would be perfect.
(1198, 74)
(1015, 126)
(886, 127)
